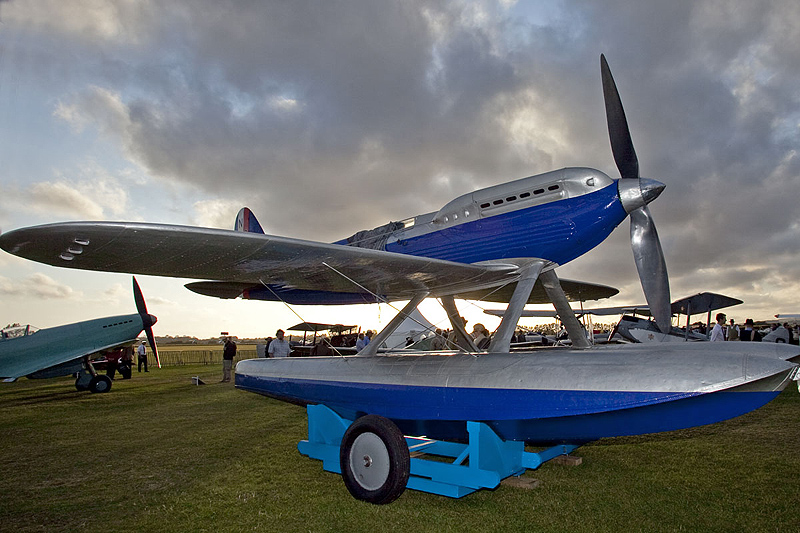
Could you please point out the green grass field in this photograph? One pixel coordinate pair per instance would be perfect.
(159, 454)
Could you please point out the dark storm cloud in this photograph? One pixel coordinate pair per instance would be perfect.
(344, 104)
(336, 116)
(710, 91)
(340, 105)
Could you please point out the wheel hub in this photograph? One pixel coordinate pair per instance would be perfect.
(372, 470)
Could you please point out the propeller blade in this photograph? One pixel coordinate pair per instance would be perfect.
(147, 319)
(152, 340)
(618, 132)
(141, 307)
(651, 266)
(635, 196)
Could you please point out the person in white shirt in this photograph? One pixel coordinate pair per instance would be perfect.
(141, 351)
(718, 333)
(279, 347)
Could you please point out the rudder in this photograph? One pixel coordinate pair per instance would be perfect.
(246, 221)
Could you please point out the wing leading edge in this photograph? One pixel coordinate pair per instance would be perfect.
(266, 267)
(249, 259)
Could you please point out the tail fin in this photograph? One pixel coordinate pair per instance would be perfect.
(246, 221)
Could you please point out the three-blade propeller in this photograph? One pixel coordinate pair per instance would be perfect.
(635, 196)
(147, 319)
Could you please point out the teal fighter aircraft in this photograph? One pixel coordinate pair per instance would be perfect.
(64, 350)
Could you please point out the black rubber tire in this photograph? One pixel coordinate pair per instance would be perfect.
(100, 383)
(374, 459)
(79, 386)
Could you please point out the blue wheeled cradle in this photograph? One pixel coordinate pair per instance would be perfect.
(482, 463)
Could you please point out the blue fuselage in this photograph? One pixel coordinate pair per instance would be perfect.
(558, 231)
(557, 216)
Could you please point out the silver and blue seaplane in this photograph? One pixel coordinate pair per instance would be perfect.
(369, 412)
(68, 349)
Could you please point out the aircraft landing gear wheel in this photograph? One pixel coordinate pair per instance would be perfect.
(100, 383)
(374, 460)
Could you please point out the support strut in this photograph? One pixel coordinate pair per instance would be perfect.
(481, 463)
(556, 294)
(463, 339)
(501, 341)
(372, 347)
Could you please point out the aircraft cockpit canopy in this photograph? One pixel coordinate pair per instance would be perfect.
(522, 193)
(15, 330)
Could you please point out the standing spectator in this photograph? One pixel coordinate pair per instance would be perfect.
(141, 351)
(126, 362)
(733, 331)
(480, 335)
(262, 349)
(279, 347)
(718, 333)
(228, 353)
(749, 333)
(438, 342)
(360, 343)
(112, 362)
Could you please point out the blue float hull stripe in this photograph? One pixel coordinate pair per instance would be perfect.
(452, 403)
(536, 416)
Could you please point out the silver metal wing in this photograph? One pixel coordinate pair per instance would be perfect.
(248, 258)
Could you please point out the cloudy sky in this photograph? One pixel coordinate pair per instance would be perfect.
(326, 118)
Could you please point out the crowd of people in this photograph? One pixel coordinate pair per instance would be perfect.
(728, 330)
(480, 338)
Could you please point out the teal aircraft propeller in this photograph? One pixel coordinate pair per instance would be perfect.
(68, 349)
